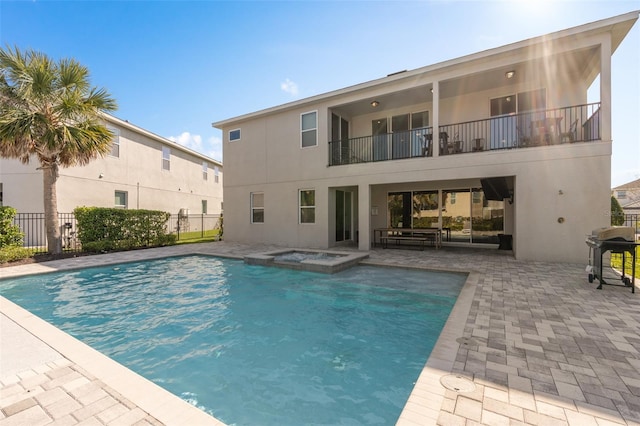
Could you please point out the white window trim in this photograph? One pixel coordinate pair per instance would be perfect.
(115, 141)
(300, 206)
(239, 135)
(256, 208)
(126, 200)
(308, 130)
(166, 159)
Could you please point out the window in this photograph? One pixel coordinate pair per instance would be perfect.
(234, 135)
(115, 142)
(216, 171)
(622, 194)
(309, 129)
(204, 206)
(121, 199)
(307, 206)
(419, 119)
(257, 207)
(205, 167)
(166, 158)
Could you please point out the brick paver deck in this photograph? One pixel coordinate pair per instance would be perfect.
(528, 342)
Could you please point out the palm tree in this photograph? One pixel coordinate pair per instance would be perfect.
(49, 112)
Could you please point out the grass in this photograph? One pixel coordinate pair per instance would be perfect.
(616, 262)
(198, 236)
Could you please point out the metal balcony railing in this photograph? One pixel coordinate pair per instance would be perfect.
(579, 123)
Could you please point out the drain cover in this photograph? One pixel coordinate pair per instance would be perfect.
(457, 383)
(466, 341)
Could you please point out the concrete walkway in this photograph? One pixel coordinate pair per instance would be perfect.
(527, 343)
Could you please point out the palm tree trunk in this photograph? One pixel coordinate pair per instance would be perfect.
(50, 177)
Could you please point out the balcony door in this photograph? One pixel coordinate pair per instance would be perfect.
(506, 126)
(340, 149)
(380, 135)
(400, 145)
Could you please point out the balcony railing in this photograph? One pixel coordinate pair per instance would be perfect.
(544, 127)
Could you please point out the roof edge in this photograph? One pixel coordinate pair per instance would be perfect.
(124, 123)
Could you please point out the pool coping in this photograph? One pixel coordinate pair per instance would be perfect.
(153, 399)
(422, 407)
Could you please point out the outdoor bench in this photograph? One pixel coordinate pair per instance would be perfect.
(410, 238)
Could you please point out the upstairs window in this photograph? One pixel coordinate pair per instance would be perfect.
(166, 158)
(257, 207)
(115, 142)
(234, 135)
(309, 129)
(307, 206)
(215, 174)
(622, 194)
(205, 168)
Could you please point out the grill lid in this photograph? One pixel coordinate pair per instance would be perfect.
(614, 232)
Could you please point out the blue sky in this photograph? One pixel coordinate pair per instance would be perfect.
(177, 66)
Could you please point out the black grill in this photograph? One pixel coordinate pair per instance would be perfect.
(618, 240)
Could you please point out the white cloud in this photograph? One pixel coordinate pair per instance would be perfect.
(289, 87)
(211, 148)
(193, 142)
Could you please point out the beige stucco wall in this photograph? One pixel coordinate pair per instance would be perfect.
(137, 171)
(581, 171)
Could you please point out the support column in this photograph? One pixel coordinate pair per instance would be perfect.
(364, 217)
(605, 88)
(436, 119)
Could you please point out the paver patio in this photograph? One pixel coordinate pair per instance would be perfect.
(536, 345)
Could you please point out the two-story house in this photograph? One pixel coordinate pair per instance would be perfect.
(628, 195)
(503, 142)
(142, 171)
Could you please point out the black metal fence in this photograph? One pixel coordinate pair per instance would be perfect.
(186, 227)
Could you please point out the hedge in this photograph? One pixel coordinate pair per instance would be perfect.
(10, 234)
(106, 229)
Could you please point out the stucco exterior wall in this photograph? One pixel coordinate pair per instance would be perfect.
(137, 171)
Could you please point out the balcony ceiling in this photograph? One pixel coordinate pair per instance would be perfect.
(581, 64)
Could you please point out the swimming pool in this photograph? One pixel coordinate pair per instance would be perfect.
(252, 344)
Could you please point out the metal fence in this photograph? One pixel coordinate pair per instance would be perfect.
(186, 227)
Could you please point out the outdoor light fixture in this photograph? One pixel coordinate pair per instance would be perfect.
(375, 103)
(510, 74)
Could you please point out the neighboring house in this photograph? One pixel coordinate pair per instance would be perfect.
(143, 171)
(519, 150)
(628, 195)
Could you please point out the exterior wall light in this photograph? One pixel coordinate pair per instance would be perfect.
(510, 74)
(375, 103)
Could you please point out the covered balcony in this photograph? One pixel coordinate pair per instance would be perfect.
(540, 95)
(579, 123)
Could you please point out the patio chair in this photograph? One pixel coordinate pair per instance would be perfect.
(571, 135)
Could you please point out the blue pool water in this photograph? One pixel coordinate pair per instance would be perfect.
(255, 345)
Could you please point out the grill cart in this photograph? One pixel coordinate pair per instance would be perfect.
(616, 239)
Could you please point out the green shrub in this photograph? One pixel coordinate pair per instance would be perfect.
(13, 253)
(10, 234)
(617, 214)
(107, 229)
